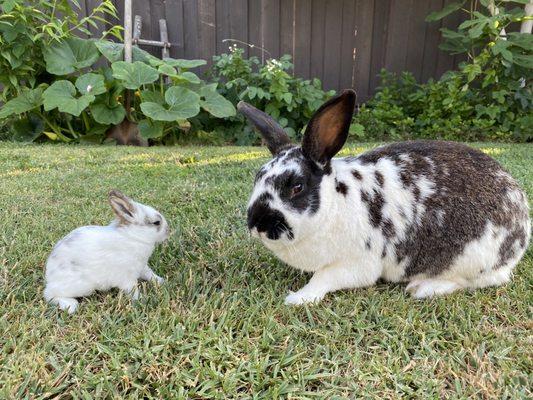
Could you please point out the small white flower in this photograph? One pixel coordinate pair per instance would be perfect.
(89, 88)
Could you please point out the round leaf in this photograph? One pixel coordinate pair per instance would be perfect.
(158, 112)
(134, 75)
(103, 114)
(69, 55)
(216, 104)
(91, 84)
(187, 64)
(26, 101)
(150, 129)
(61, 94)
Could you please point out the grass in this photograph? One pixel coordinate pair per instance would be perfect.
(218, 328)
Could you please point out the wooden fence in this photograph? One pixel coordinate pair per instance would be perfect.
(345, 43)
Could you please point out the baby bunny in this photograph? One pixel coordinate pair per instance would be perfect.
(103, 257)
(438, 215)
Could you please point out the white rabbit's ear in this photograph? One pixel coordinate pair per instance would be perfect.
(275, 137)
(327, 131)
(122, 206)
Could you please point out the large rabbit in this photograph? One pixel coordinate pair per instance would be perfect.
(438, 215)
(103, 257)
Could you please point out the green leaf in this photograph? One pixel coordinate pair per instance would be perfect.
(187, 64)
(91, 84)
(69, 55)
(134, 75)
(27, 129)
(189, 77)
(523, 40)
(168, 70)
(182, 98)
(26, 101)
(183, 103)
(110, 50)
(151, 96)
(450, 8)
(61, 94)
(151, 129)
(216, 104)
(525, 61)
(104, 114)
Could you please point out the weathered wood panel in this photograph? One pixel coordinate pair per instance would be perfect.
(345, 43)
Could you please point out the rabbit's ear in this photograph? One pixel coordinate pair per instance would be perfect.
(122, 206)
(274, 135)
(327, 131)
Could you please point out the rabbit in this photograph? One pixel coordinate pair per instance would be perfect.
(437, 215)
(103, 257)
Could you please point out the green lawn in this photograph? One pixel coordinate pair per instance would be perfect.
(218, 328)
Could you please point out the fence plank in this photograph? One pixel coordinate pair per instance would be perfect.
(286, 45)
(270, 27)
(346, 76)
(190, 28)
(431, 42)
(238, 28)
(364, 25)
(332, 43)
(174, 17)
(207, 27)
(397, 34)
(317, 38)
(302, 38)
(379, 41)
(255, 37)
(416, 37)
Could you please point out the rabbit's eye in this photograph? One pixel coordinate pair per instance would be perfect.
(296, 189)
(157, 223)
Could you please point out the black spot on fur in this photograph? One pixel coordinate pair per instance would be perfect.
(310, 177)
(368, 246)
(341, 188)
(374, 202)
(470, 191)
(268, 220)
(357, 175)
(388, 229)
(379, 178)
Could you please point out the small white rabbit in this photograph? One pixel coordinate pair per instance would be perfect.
(103, 257)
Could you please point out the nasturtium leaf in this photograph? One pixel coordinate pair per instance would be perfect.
(61, 95)
(26, 101)
(187, 64)
(150, 129)
(182, 98)
(216, 104)
(134, 75)
(91, 84)
(69, 55)
(105, 114)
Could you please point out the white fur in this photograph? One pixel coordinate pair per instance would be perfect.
(103, 257)
(331, 242)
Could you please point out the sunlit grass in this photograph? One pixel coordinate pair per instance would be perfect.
(218, 328)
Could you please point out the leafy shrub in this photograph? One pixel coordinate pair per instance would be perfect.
(269, 87)
(63, 97)
(490, 97)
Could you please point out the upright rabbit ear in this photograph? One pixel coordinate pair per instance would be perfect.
(327, 131)
(122, 206)
(274, 135)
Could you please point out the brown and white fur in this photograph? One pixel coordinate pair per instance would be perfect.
(438, 215)
(103, 257)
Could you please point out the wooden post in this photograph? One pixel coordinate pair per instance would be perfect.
(137, 27)
(163, 35)
(127, 30)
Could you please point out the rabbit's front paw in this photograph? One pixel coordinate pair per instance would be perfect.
(159, 280)
(303, 297)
